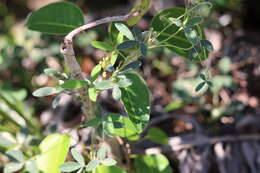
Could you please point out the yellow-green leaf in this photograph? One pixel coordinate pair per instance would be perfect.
(54, 149)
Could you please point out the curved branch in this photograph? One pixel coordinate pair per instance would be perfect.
(71, 61)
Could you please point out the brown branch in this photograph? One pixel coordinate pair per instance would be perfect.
(70, 59)
(179, 143)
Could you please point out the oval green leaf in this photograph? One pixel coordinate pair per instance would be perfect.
(137, 109)
(46, 91)
(56, 18)
(70, 166)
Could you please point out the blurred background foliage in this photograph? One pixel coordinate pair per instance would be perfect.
(233, 68)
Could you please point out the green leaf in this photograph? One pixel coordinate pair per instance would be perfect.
(194, 21)
(108, 162)
(56, 18)
(132, 66)
(127, 44)
(70, 166)
(143, 48)
(158, 136)
(12, 167)
(137, 33)
(142, 7)
(15, 155)
(224, 65)
(55, 101)
(202, 9)
(53, 146)
(46, 91)
(174, 105)
(95, 72)
(102, 152)
(124, 30)
(92, 122)
(55, 73)
(207, 45)
(102, 45)
(31, 166)
(104, 85)
(92, 93)
(116, 93)
(122, 83)
(172, 36)
(78, 156)
(176, 21)
(128, 130)
(110, 68)
(92, 165)
(74, 84)
(109, 169)
(137, 109)
(200, 86)
(203, 77)
(152, 163)
(191, 35)
(5, 142)
(113, 59)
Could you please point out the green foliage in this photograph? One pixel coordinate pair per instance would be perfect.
(138, 109)
(56, 18)
(47, 91)
(53, 146)
(152, 163)
(142, 7)
(110, 169)
(176, 30)
(102, 45)
(158, 136)
(118, 125)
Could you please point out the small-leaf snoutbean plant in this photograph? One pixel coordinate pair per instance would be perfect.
(176, 29)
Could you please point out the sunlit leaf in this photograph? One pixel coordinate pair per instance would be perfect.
(124, 30)
(15, 155)
(108, 162)
(116, 93)
(109, 169)
(55, 73)
(31, 166)
(137, 109)
(46, 91)
(104, 85)
(12, 167)
(92, 165)
(70, 166)
(74, 84)
(102, 45)
(102, 152)
(53, 146)
(128, 130)
(95, 72)
(141, 7)
(77, 156)
(92, 93)
(152, 163)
